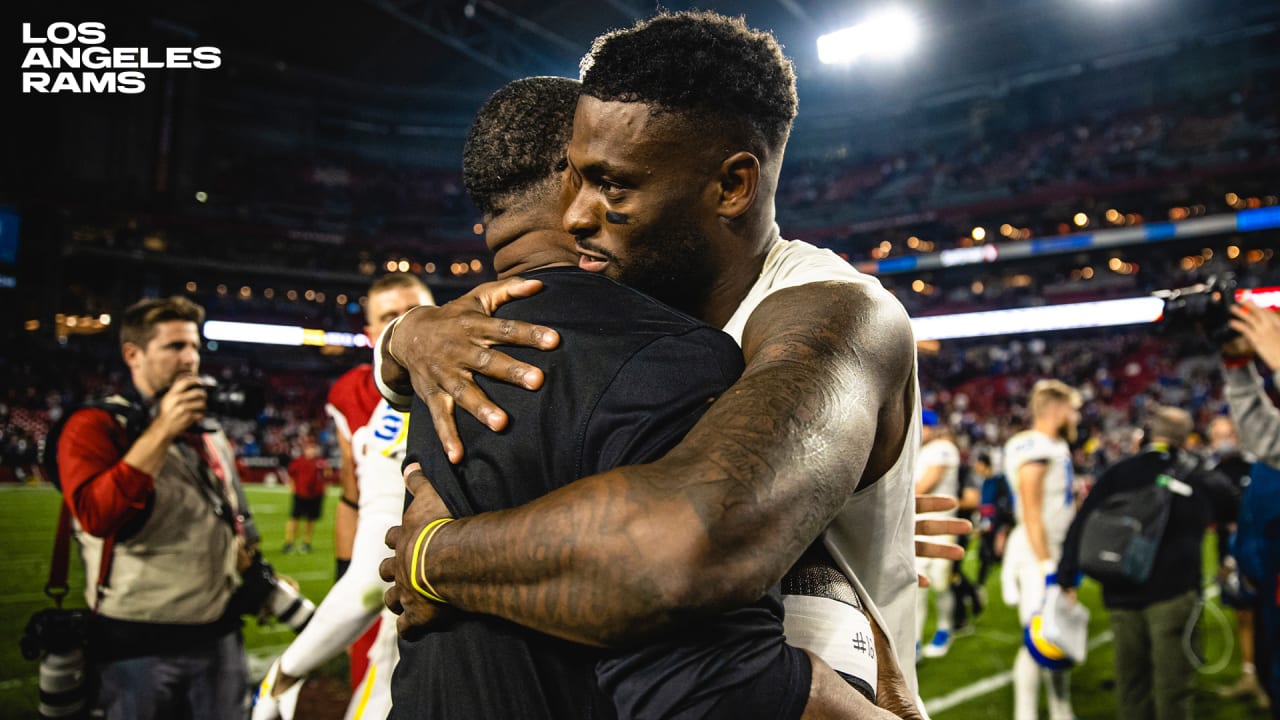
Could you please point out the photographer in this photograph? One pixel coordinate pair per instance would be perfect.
(156, 497)
(1258, 423)
(1151, 610)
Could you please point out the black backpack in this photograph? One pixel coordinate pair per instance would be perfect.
(129, 413)
(1120, 539)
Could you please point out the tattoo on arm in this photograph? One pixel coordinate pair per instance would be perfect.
(614, 557)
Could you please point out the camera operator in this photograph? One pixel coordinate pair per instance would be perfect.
(1150, 617)
(155, 495)
(1258, 424)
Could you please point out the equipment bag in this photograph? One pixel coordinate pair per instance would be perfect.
(1121, 538)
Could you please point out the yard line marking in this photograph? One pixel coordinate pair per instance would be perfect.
(19, 682)
(969, 692)
(1101, 639)
(22, 598)
(995, 682)
(1004, 637)
(312, 575)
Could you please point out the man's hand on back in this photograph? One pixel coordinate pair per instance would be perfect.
(942, 528)
(443, 347)
(417, 614)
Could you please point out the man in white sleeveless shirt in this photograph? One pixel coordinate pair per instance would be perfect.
(1038, 465)
(676, 149)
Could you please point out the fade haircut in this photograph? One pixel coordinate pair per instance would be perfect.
(518, 140)
(706, 66)
(392, 281)
(1046, 393)
(138, 325)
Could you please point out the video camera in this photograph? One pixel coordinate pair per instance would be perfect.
(1203, 309)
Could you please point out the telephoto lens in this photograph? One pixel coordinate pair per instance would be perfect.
(62, 690)
(57, 637)
(290, 606)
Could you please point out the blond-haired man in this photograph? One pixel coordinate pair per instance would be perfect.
(1038, 465)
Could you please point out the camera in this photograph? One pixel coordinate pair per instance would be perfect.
(263, 592)
(233, 400)
(1203, 309)
(240, 402)
(57, 637)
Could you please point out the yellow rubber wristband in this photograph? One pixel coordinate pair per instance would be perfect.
(420, 550)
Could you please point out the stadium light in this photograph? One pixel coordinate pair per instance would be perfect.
(888, 34)
(1072, 316)
(267, 334)
(1014, 321)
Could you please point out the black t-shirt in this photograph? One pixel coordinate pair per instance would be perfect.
(1178, 560)
(629, 378)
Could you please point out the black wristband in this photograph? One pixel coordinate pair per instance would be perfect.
(341, 568)
(349, 503)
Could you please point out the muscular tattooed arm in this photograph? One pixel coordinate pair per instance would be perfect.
(612, 558)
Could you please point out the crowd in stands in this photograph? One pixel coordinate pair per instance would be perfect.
(979, 389)
(328, 214)
(44, 381)
(1108, 150)
(341, 219)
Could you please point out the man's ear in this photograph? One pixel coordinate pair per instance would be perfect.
(130, 352)
(739, 182)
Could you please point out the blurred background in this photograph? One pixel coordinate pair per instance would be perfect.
(975, 154)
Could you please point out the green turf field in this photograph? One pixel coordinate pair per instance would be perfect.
(28, 517)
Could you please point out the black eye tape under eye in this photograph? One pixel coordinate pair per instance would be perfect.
(617, 218)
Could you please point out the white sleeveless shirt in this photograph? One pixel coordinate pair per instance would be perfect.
(873, 536)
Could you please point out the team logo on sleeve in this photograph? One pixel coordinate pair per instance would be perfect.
(391, 428)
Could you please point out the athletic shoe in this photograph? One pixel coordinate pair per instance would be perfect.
(288, 548)
(1246, 685)
(306, 548)
(940, 644)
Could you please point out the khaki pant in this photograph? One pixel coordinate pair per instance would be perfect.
(1155, 680)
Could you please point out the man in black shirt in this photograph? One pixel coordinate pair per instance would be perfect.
(1154, 675)
(628, 380)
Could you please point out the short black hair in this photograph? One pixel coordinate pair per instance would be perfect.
(518, 139)
(704, 64)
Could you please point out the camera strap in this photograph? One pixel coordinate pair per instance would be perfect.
(57, 587)
(217, 487)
